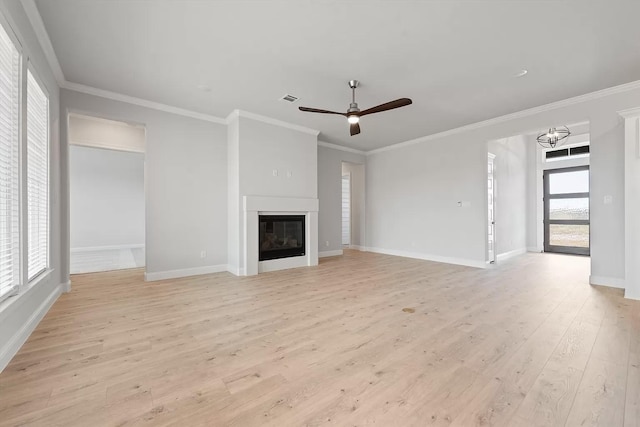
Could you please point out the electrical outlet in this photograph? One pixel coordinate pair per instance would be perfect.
(289, 174)
(275, 172)
(203, 254)
(326, 243)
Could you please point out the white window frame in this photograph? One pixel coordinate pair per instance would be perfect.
(18, 169)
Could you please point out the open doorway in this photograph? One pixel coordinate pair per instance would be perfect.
(353, 206)
(346, 209)
(107, 194)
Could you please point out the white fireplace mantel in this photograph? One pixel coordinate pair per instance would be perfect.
(254, 206)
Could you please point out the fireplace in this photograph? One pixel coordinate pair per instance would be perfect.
(281, 236)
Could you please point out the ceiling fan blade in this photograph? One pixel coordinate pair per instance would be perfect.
(354, 128)
(315, 110)
(402, 102)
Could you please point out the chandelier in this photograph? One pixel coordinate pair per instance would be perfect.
(553, 137)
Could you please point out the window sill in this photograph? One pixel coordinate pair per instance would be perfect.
(14, 302)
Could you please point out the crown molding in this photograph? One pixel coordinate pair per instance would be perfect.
(241, 113)
(341, 148)
(42, 35)
(89, 90)
(631, 113)
(517, 115)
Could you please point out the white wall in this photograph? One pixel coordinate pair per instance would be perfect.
(20, 314)
(510, 194)
(412, 201)
(270, 160)
(439, 170)
(186, 178)
(107, 197)
(357, 173)
(330, 195)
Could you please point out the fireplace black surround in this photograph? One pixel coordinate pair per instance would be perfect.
(281, 236)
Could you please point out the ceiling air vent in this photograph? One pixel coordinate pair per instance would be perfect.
(289, 98)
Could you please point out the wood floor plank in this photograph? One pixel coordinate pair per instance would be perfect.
(362, 339)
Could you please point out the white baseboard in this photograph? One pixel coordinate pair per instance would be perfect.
(534, 249)
(627, 295)
(330, 253)
(106, 248)
(506, 255)
(358, 247)
(13, 344)
(185, 272)
(428, 257)
(66, 286)
(611, 282)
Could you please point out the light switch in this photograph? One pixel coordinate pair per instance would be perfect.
(275, 172)
(608, 200)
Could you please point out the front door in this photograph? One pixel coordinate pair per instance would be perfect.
(566, 210)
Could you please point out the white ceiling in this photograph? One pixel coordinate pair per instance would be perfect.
(455, 59)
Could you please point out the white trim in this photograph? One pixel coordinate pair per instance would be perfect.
(141, 102)
(534, 249)
(358, 248)
(42, 35)
(610, 282)
(11, 347)
(66, 286)
(517, 115)
(429, 257)
(241, 113)
(341, 148)
(330, 253)
(627, 295)
(106, 248)
(630, 113)
(236, 271)
(506, 255)
(184, 272)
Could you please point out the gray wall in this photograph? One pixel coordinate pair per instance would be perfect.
(510, 193)
(412, 201)
(186, 178)
(447, 167)
(330, 195)
(107, 197)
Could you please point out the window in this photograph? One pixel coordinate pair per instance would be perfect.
(9, 166)
(37, 177)
(569, 152)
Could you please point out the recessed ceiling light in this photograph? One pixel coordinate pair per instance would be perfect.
(521, 73)
(204, 88)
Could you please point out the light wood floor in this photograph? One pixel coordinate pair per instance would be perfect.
(362, 339)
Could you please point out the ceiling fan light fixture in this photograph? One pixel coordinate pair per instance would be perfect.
(553, 137)
(353, 119)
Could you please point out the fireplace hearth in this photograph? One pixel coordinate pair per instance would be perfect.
(281, 236)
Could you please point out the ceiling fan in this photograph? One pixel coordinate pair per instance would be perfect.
(353, 114)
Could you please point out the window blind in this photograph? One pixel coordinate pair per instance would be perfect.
(9, 166)
(37, 177)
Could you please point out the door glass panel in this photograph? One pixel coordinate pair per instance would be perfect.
(569, 209)
(569, 235)
(569, 182)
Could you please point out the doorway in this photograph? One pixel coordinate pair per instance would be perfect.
(566, 210)
(107, 194)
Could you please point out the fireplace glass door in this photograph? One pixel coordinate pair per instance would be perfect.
(281, 236)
